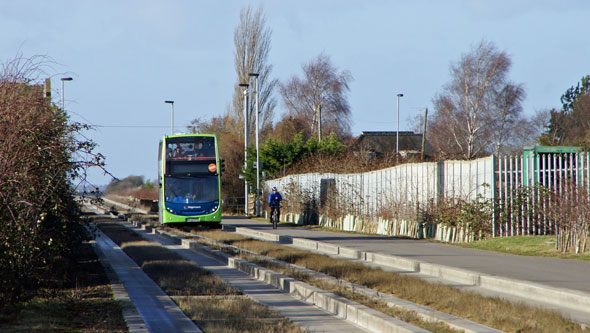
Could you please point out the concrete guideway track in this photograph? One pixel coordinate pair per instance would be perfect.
(302, 314)
(553, 283)
(158, 312)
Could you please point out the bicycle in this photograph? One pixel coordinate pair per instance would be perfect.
(274, 216)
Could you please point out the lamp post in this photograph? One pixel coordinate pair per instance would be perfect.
(171, 117)
(245, 86)
(63, 105)
(255, 75)
(397, 133)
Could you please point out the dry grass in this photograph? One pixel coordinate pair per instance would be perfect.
(488, 311)
(185, 278)
(525, 246)
(396, 312)
(83, 303)
(178, 277)
(223, 314)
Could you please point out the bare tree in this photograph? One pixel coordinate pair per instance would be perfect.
(479, 107)
(252, 42)
(507, 115)
(322, 85)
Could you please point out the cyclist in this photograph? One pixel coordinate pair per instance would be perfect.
(274, 201)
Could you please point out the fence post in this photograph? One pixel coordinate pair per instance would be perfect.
(494, 195)
(440, 181)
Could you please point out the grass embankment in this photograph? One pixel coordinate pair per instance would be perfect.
(491, 312)
(205, 298)
(543, 246)
(76, 297)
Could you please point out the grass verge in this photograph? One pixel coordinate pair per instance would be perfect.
(219, 312)
(76, 298)
(488, 311)
(540, 246)
(525, 245)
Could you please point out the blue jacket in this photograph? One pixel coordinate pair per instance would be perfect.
(274, 199)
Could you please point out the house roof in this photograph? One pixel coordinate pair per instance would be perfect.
(384, 142)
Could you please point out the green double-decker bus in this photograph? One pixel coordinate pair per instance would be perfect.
(189, 172)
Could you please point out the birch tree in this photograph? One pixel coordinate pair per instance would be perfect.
(477, 110)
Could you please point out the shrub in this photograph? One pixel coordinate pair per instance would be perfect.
(39, 219)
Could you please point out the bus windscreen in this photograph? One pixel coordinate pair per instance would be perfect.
(190, 148)
(191, 189)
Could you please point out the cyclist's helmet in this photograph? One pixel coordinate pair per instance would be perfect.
(274, 188)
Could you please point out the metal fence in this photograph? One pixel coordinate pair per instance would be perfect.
(525, 185)
(511, 183)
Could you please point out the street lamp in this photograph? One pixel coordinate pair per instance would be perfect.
(397, 133)
(171, 117)
(245, 86)
(63, 105)
(255, 75)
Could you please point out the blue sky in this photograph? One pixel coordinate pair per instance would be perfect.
(127, 57)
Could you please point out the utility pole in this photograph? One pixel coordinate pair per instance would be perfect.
(245, 85)
(397, 133)
(257, 198)
(63, 99)
(319, 123)
(424, 132)
(171, 116)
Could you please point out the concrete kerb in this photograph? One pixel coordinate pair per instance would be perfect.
(258, 234)
(360, 314)
(305, 243)
(131, 316)
(561, 297)
(450, 274)
(567, 298)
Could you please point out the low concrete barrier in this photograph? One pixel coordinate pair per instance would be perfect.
(396, 262)
(305, 243)
(349, 253)
(258, 234)
(562, 297)
(450, 273)
(328, 248)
